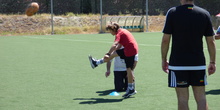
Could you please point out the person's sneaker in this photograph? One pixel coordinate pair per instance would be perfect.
(126, 93)
(92, 62)
(129, 93)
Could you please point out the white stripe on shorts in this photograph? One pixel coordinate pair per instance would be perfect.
(203, 67)
(173, 80)
(205, 80)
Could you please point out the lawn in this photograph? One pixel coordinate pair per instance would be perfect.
(53, 73)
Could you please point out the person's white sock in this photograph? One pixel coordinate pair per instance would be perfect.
(100, 61)
(130, 86)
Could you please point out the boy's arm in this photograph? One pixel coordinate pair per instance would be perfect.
(108, 67)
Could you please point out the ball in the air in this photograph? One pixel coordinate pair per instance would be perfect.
(32, 9)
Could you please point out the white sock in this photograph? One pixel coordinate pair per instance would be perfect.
(131, 86)
(100, 61)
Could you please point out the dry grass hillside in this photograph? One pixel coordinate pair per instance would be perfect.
(41, 24)
(69, 24)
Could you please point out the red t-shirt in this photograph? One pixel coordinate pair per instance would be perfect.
(125, 38)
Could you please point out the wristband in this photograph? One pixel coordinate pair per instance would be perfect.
(108, 54)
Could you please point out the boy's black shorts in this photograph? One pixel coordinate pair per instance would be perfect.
(128, 60)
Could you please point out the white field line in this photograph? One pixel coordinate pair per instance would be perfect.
(73, 40)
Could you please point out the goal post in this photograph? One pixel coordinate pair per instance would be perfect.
(131, 23)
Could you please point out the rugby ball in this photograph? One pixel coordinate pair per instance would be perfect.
(32, 8)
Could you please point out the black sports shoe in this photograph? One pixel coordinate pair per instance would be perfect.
(92, 62)
(129, 93)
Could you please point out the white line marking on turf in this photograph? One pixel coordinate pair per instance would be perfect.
(150, 45)
(66, 39)
(85, 41)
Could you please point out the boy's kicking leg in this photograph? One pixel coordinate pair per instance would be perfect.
(94, 63)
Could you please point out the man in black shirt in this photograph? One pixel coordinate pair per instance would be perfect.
(187, 24)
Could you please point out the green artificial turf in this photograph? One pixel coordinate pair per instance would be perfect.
(53, 72)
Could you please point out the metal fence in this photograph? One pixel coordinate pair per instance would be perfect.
(67, 12)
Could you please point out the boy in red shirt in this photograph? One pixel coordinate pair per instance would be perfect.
(122, 38)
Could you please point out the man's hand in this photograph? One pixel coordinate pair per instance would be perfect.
(217, 36)
(106, 58)
(165, 66)
(211, 68)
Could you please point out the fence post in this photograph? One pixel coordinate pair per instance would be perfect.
(146, 15)
(52, 31)
(101, 16)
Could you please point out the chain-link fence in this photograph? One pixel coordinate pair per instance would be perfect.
(111, 7)
(67, 13)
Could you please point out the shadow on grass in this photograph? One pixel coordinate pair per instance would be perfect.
(213, 92)
(97, 100)
(101, 100)
(105, 92)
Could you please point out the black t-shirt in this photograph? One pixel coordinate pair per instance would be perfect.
(187, 24)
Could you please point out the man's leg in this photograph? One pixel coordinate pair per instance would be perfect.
(199, 94)
(183, 98)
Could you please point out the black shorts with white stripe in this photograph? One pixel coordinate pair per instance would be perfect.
(185, 78)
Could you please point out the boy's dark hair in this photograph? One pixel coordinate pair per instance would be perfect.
(113, 26)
